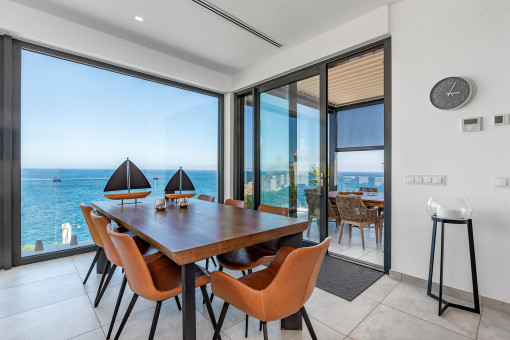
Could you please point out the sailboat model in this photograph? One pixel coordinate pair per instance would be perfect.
(127, 177)
(179, 182)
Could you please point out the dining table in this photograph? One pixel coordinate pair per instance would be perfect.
(200, 231)
(372, 199)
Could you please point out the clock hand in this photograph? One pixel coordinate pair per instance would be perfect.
(449, 93)
(452, 93)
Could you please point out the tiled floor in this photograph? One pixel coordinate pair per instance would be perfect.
(48, 301)
(352, 247)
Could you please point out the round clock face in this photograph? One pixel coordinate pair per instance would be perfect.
(450, 93)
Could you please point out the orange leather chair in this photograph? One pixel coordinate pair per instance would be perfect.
(157, 280)
(235, 203)
(205, 198)
(148, 252)
(276, 292)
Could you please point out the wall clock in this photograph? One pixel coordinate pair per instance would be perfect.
(451, 93)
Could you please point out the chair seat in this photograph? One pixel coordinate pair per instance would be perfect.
(166, 276)
(246, 258)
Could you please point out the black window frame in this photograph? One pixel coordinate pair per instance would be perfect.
(10, 211)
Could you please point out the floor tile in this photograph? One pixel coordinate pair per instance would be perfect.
(275, 333)
(356, 252)
(104, 310)
(83, 261)
(36, 272)
(338, 313)
(233, 316)
(375, 257)
(380, 289)
(22, 298)
(96, 334)
(94, 279)
(62, 320)
(169, 325)
(494, 325)
(388, 323)
(414, 300)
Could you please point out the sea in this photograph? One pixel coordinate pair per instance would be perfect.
(50, 198)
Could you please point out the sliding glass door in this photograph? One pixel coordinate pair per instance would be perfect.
(290, 150)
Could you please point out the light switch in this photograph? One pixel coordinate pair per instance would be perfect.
(437, 180)
(427, 179)
(409, 179)
(500, 182)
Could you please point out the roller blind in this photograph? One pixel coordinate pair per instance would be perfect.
(361, 127)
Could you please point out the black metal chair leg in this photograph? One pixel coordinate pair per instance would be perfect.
(209, 307)
(126, 316)
(103, 276)
(242, 271)
(116, 310)
(108, 279)
(177, 302)
(98, 252)
(155, 320)
(260, 326)
(250, 271)
(246, 327)
(207, 264)
(214, 262)
(308, 323)
(220, 321)
(264, 325)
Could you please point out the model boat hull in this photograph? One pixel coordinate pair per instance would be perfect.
(128, 195)
(177, 196)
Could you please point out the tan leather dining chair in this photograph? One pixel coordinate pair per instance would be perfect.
(276, 292)
(235, 203)
(157, 280)
(149, 253)
(205, 198)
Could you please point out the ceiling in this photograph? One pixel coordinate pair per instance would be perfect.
(354, 80)
(184, 29)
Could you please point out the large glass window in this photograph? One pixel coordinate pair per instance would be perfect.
(248, 150)
(79, 123)
(360, 148)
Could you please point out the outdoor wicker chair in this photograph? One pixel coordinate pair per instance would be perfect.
(365, 189)
(355, 213)
(313, 202)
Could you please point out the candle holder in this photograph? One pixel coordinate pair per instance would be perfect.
(183, 202)
(449, 208)
(160, 204)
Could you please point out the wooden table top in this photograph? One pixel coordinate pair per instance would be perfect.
(202, 230)
(377, 200)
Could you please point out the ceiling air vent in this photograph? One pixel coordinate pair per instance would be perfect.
(236, 21)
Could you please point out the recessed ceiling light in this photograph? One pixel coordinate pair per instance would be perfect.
(139, 18)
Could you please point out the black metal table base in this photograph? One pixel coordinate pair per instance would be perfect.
(443, 304)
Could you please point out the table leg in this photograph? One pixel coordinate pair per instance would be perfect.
(188, 302)
(476, 298)
(294, 321)
(100, 264)
(441, 272)
(432, 253)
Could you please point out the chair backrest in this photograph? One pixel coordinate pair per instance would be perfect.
(313, 202)
(351, 208)
(85, 210)
(137, 273)
(273, 210)
(294, 282)
(101, 224)
(205, 198)
(235, 203)
(366, 189)
(312, 191)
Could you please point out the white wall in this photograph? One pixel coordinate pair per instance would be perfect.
(433, 39)
(35, 26)
(371, 26)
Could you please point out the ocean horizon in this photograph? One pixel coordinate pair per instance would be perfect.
(51, 197)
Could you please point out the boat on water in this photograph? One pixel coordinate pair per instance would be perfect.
(179, 182)
(127, 177)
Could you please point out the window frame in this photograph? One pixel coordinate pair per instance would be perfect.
(12, 255)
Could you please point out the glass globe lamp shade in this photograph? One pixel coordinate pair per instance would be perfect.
(449, 208)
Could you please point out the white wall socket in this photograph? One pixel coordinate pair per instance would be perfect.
(425, 179)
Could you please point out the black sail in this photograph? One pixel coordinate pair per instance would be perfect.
(119, 179)
(174, 184)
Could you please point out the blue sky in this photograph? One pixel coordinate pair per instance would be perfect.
(77, 116)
